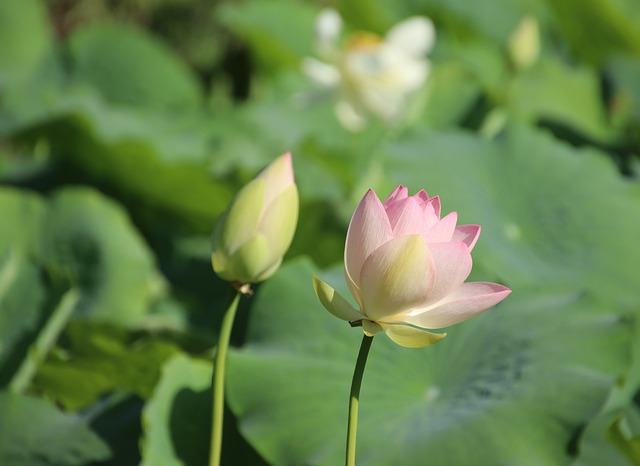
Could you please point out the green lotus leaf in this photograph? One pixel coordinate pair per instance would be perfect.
(90, 243)
(551, 215)
(24, 39)
(177, 419)
(22, 289)
(511, 386)
(97, 359)
(260, 23)
(130, 67)
(34, 433)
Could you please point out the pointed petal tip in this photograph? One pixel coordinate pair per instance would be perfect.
(370, 192)
(401, 192)
(498, 288)
(467, 234)
(288, 160)
(422, 195)
(499, 294)
(470, 299)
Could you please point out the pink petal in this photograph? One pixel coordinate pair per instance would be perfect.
(465, 302)
(443, 230)
(396, 277)
(406, 218)
(422, 196)
(467, 234)
(399, 193)
(435, 205)
(368, 230)
(432, 211)
(453, 265)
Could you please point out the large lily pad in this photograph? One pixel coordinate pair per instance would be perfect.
(176, 420)
(551, 214)
(24, 36)
(131, 67)
(90, 244)
(126, 147)
(603, 442)
(97, 359)
(34, 433)
(260, 23)
(21, 300)
(129, 107)
(23, 213)
(512, 386)
(568, 96)
(76, 240)
(21, 285)
(608, 27)
(495, 19)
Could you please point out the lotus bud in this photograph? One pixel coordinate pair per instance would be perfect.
(524, 43)
(254, 232)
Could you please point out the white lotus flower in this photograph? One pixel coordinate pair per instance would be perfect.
(373, 76)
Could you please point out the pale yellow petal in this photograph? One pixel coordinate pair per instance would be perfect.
(396, 277)
(411, 337)
(250, 261)
(279, 220)
(334, 302)
(240, 221)
(277, 176)
(371, 328)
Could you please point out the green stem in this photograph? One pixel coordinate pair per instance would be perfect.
(356, 383)
(46, 339)
(218, 381)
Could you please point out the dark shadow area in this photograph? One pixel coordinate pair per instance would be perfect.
(120, 426)
(190, 428)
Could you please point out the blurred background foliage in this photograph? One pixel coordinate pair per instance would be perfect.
(127, 126)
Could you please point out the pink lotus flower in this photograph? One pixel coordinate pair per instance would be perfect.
(406, 267)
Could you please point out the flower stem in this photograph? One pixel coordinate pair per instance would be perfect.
(352, 426)
(45, 340)
(218, 381)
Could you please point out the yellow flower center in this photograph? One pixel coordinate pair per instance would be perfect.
(363, 40)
